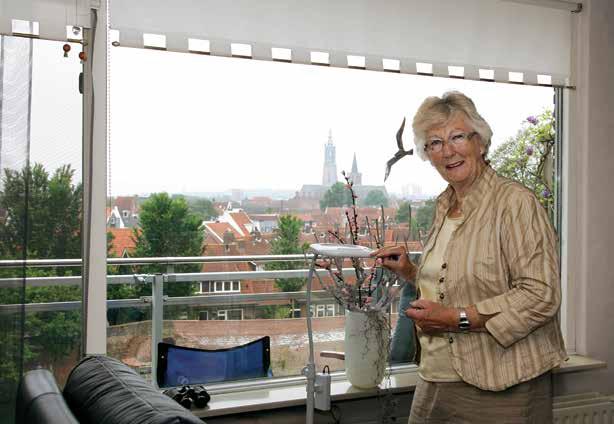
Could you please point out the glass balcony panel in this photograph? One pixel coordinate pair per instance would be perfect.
(41, 195)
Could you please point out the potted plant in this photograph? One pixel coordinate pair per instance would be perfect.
(366, 296)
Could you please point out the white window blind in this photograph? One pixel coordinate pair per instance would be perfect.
(474, 34)
(52, 16)
(496, 35)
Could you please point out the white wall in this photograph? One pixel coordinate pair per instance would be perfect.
(591, 198)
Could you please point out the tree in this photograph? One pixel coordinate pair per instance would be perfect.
(528, 157)
(203, 208)
(287, 242)
(424, 216)
(402, 217)
(375, 198)
(168, 228)
(42, 220)
(336, 196)
(49, 222)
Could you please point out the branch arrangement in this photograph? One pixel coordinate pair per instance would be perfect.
(374, 287)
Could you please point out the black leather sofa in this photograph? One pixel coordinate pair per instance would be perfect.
(98, 390)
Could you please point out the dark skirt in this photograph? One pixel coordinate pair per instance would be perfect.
(527, 403)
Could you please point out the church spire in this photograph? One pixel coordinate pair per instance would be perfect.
(355, 176)
(329, 174)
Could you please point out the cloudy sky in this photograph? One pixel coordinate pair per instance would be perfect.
(192, 123)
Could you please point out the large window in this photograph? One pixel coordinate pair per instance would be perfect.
(224, 142)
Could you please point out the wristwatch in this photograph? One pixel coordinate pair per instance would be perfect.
(463, 321)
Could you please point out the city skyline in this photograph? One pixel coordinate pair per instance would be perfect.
(231, 123)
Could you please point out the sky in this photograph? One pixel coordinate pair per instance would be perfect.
(182, 122)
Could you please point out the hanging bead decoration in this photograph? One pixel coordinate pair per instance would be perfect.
(66, 49)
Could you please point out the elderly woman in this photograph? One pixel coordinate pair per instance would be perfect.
(488, 282)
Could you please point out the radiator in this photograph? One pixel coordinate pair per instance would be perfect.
(584, 408)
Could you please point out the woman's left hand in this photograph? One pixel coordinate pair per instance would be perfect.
(432, 317)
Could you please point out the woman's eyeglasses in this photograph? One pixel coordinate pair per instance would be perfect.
(435, 145)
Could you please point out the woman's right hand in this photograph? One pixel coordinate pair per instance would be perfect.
(395, 259)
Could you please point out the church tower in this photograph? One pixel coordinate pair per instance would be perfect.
(329, 176)
(355, 176)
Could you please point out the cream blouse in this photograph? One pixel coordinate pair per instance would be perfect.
(436, 363)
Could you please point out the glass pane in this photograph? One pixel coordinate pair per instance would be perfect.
(129, 330)
(40, 198)
(308, 124)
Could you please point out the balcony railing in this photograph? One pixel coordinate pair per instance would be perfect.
(157, 301)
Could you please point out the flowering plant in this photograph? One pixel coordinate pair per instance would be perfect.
(529, 157)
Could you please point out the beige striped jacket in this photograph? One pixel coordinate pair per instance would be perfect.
(502, 258)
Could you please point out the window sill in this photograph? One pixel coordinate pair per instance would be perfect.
(577, 363)
(279, 395)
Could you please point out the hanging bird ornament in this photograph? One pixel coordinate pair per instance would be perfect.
(400, 153)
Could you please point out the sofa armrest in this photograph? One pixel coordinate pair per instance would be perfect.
(40, 401)
(102, 389)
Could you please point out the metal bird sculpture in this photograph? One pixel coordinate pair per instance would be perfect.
(400, 153)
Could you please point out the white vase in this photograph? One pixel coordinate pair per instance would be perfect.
(367, 338)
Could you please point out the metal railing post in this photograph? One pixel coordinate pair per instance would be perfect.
(157, 321)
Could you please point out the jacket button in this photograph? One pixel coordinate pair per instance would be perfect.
(441, 295)
(444, 265)
(441, 280)
(451, 340)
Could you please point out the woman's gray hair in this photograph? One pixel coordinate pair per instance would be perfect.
(436, 112)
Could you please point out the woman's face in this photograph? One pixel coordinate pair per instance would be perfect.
(459, 164)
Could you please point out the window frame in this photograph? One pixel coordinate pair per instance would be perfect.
(214, 284)
(226, 314)
(567, 312)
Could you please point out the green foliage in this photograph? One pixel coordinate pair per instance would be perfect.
(168, 228)
(287, 242)
(424, 216)
(276, 312)
(203, 208)
(42, 221)
(402, 217)
(528, 157)
(336, 196)
(52, 224)
(375, 198)
(54, 334)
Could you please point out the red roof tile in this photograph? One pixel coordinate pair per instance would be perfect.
(242, 219)
(217, 229)
(126, 203)
(123, 242)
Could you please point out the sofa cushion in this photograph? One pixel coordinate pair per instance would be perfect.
(40, 401)
(103, 390)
